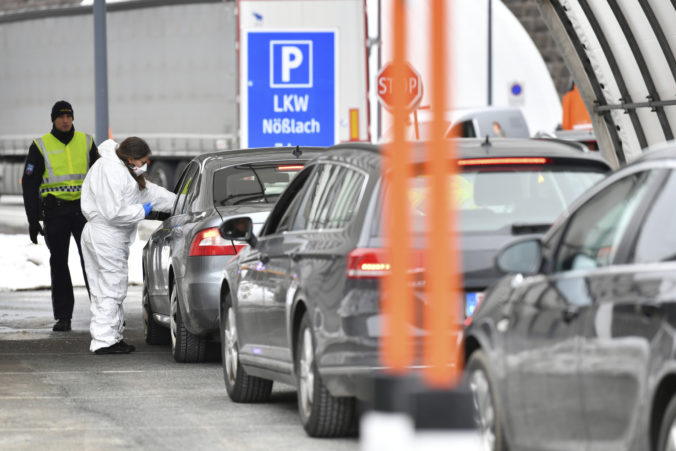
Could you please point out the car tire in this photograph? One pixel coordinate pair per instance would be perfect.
(321, 414)
(667, 437)
(488, 409)
(185, 347)
(240, 386)
(154, 333)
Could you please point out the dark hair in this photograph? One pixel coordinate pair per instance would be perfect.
(133, 148)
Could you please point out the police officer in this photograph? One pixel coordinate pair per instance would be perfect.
(55, 168)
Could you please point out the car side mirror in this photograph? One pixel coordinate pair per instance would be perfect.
(520, 257)
(239, 229)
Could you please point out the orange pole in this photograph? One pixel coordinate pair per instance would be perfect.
(441, 314)
(396, 302)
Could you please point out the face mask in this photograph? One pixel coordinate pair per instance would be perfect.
(139, 171)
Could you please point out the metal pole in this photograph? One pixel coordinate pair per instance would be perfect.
(100, 71)
(490, 52)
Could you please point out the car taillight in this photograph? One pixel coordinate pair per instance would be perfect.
(367, 264)
(290, 167)
(209, 242)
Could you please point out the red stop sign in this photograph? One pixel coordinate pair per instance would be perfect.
(412, 85)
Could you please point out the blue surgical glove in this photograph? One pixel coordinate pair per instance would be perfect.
(147, 207)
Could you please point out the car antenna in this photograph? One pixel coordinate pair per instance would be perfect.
(486, 143)
(297, 152)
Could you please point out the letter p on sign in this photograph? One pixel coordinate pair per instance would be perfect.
(291, 64)
(292, 57)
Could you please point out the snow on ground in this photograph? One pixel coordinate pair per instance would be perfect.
(26, 265)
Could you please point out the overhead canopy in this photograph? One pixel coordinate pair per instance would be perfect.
(621, 56)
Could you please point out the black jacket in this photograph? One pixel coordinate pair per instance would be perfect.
(33, 170)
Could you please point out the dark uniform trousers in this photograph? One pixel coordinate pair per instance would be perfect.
(61, 221)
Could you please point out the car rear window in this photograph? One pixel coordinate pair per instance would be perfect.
(491, 199)
(253, 183)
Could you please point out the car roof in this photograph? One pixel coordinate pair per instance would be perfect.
(242, 156)
(664, 151)
(468, 148)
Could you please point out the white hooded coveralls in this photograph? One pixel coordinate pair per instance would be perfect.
(113, 205)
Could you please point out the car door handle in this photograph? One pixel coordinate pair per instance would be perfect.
(264, 258)
(570, 313)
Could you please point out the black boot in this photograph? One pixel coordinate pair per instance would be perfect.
(62, 325)
(118, 348)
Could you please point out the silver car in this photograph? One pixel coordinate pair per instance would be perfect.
(183, 259)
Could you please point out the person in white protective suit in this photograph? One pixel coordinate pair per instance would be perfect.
(115, 198)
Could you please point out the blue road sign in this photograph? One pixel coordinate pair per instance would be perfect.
(291, 88)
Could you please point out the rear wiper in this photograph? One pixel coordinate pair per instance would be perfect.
(242, 198)
(524, 228)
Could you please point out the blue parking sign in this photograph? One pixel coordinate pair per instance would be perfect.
(291, 88)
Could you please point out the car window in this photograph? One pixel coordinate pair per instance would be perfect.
(657, 240)
(493, 198)
(185, 188)
(253, 183)
(291, 220)
(594, 232)
(347, 200)
(332, 202)
(283, 214)
(464, 129)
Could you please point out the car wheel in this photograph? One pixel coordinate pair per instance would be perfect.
(240, 386)
(488, 409)
(321, 414)
(186, 347)
(667, 438)
(154, 333)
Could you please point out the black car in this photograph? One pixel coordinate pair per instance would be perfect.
(301, 304)
(577, 350)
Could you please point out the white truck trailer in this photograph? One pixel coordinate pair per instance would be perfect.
(189, 76)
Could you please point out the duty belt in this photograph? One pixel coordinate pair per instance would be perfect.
(49, 202)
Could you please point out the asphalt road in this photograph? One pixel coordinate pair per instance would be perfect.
(56, 395)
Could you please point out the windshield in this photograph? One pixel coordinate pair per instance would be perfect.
(499, 199)
(253, 183)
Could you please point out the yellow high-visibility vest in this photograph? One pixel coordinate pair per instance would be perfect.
(65, 165)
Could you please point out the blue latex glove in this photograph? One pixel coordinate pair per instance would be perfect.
(147, 207)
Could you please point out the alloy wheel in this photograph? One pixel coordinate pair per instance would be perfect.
(231, 352)
(173, 319)
(306, 380)
(484, 408)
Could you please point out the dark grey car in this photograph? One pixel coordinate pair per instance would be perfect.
(578, 349)
(184, 258)
(301, 304)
